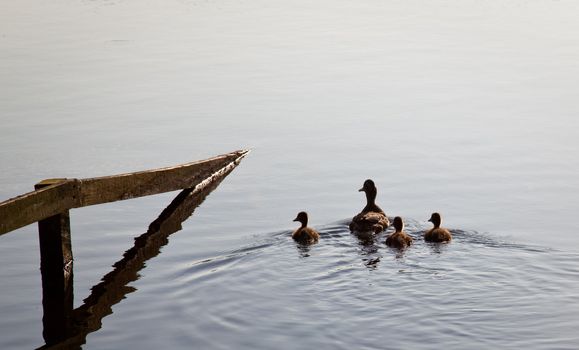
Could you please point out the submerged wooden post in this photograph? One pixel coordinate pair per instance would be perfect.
(56, 270)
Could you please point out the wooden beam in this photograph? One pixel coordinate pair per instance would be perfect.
(106, 189)
(64, 194)
(56, 197)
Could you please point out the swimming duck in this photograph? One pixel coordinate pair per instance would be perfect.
(305, 234)
(398, 239)
(372, 218)
(437, 233)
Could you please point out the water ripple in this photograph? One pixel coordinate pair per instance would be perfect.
(477, 292)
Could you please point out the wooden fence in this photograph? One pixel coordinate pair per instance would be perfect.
(49, 205)
(56, 196)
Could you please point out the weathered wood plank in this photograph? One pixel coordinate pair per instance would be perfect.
(65, 194)
(28, 208)
(133, 185)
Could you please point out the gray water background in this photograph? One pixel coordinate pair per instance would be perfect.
(468, 108)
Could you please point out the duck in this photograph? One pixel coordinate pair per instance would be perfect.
(372, 218)
(305, 234)
(399, 239)
(437, 233)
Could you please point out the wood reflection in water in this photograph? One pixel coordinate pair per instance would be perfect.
(65, 328)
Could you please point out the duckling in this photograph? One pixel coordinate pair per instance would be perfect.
(371, 218)
(305, 234)
(398, 239)
(437, 233)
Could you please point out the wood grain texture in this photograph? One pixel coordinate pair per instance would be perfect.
(65, 194)
(40, 204)
(145, 183)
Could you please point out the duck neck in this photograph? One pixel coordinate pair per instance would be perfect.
(436, 224)
(371, 201)
(304, 223)
(398, 224)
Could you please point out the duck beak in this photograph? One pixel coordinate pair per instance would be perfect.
(296, 219)
(361, 190)
(430, 220)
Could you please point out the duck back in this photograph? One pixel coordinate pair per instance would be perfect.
(399, 240)
(369, 221)
(306, 235)
(437, 234)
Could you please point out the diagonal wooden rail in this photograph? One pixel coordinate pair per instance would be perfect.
(54, 196)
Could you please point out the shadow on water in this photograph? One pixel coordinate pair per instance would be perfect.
(369, 253)
(114, 287)
(303, 249)
(371, 247)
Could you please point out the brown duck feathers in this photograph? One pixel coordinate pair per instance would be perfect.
(437, 233)
(398, 239)
(305, 234)
(372, 217)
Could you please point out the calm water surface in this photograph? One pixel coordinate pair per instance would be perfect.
(468, 108)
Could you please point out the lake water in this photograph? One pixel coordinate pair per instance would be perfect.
(467, 108)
